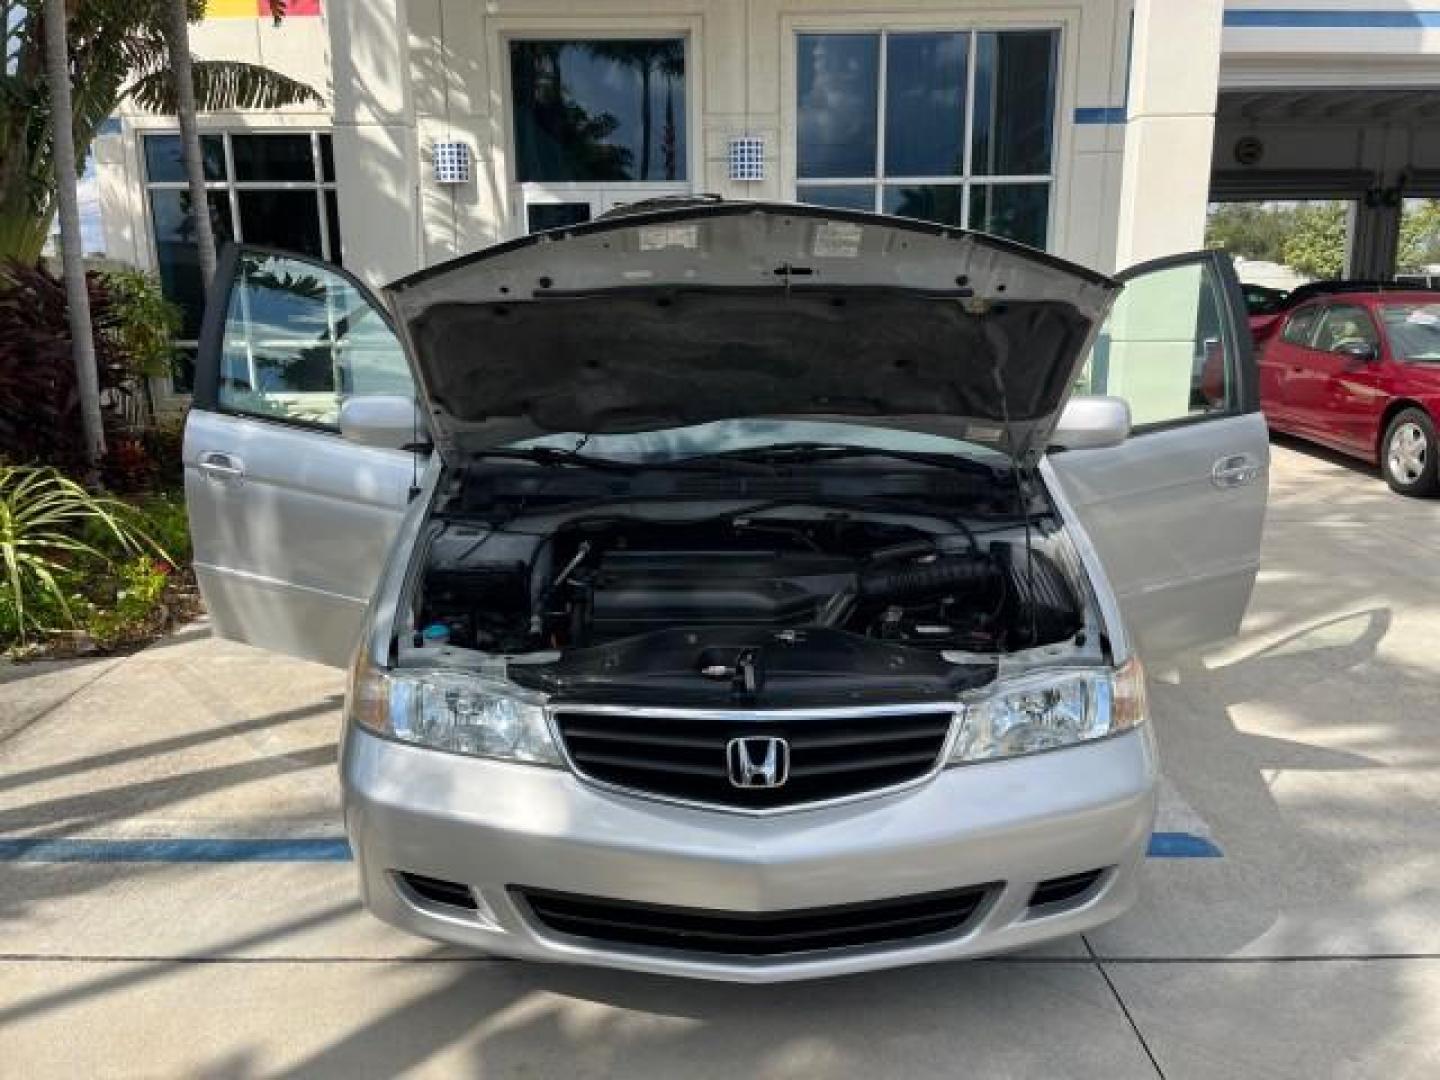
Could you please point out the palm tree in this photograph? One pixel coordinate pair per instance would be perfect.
(116, 48)
(77, 296)
(182, 70)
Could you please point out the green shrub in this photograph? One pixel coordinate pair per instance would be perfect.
(143, 323)
(129, 609)
(51, 536)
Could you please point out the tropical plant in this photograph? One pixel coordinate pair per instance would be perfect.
(144, 323)
(39, 400)
(44, 516)
(115, 47)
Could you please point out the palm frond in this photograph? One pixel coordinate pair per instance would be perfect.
(221, 85)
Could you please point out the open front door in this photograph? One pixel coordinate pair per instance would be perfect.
(291, 523)
(1176, 511)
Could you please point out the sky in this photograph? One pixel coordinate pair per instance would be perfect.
(91, 228)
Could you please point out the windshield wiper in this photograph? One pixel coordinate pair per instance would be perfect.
(806, 452)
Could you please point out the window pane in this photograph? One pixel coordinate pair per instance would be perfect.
(273, 157)
(1164, 348)
(925, 104)
(1300, 327)
(175, 252)
(327, 159)
(1346, 324)
(283, 219)
(840, 196)
(540, 216)
(838, 90)
(930, 202)
(1014, 103)
(599, 110)
(1017, 211)
(163, 163)
(1413, 330)
(298, 338)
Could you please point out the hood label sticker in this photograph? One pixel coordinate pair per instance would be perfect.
(659, 237)
(837, 240)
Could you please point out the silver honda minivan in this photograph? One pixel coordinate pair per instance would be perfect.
(733, 590)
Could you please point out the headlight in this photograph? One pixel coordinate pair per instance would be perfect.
(448, 710)
(1050, 710)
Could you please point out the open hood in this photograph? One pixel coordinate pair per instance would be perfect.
(729, 310)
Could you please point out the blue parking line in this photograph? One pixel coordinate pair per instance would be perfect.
(1163, 845)
(305, 849)
(1181, 845)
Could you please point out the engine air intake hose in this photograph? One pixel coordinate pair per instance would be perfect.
(927, 579)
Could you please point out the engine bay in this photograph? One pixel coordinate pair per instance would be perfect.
(722, 599)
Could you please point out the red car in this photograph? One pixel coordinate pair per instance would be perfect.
(1360, 373)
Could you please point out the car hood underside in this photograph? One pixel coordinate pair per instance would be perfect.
(745, 310)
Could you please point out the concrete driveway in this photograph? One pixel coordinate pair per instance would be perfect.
(1307, 753)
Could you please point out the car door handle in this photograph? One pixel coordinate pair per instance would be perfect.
(1234, 470)
(222, 468)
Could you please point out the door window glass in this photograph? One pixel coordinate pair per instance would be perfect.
(1301, 327)
(1345, 324)
(1165, 348)
(599, 110)
(954, 127)
(299, 338)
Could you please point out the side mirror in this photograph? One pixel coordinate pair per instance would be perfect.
(1092, 423)
(1360, 352)
(384, 420)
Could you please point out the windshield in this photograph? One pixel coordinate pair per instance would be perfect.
(1414, 331)
(724, 436)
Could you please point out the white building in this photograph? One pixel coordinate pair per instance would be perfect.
(1098, 129)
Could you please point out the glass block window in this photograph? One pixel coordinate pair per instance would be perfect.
(600, 110)
(274, 188)
(955, 127)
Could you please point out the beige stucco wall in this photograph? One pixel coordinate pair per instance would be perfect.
(741, 78)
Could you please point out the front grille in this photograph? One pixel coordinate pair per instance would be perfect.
(685, 757)
(754, 934)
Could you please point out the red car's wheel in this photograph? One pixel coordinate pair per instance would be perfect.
(1408, 456)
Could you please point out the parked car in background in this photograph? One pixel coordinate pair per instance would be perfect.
(1358, 370)
(748, 599)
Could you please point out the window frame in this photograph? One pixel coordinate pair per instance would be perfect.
(211, 346)
(165, 385)
(1059, 27)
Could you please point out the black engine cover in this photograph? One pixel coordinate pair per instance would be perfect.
(638, 592)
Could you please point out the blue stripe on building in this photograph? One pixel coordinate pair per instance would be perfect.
(1330, 19)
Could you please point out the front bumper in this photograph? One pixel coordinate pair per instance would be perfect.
(495, 825)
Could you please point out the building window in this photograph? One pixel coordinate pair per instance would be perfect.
(264, 188)
(601, 110)
(954, 127)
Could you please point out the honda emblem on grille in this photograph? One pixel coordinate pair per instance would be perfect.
(758, 761)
